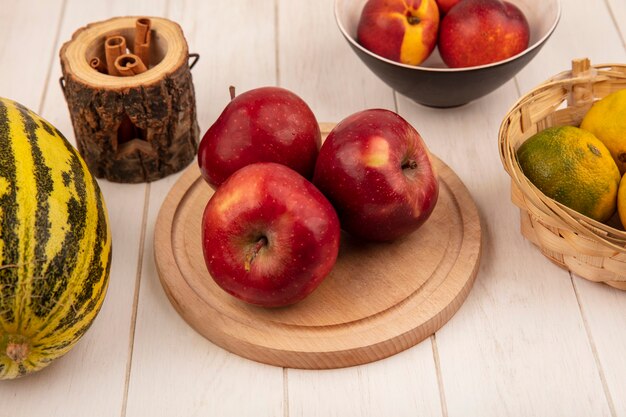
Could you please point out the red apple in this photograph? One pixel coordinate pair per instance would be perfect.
(269, 236)
(400, 30)
(377, 172)
(267, 124)
(446, 5)
(479, 32)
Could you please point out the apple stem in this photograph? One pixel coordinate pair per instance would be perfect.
(253, 252)
(410, 164)
(231, 90)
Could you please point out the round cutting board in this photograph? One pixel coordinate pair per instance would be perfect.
(378, 300)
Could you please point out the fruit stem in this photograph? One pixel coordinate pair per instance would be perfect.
(413, 20)
(410, 164)
(17, 350)
(253, 252)
(231, 90)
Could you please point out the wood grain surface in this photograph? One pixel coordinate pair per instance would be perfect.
(530, 339)
(379, 299)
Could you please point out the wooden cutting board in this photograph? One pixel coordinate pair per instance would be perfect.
(378, 300)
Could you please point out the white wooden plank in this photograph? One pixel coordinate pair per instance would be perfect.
(174, 370)
(604, 310)
(26, 58)
(317, 63)
(90, 380)
(517, 346)
(236, 43)
(586, 29)
(618, 11)
(401, 385)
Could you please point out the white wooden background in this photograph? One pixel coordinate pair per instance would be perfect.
(530, 340)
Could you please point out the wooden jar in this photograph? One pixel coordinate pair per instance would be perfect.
(134, 128)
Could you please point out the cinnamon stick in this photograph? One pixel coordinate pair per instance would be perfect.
(129, 64)
(114, 46)
(98, 65)
(142, 40)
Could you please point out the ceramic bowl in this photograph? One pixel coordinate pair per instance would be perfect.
(432, 83)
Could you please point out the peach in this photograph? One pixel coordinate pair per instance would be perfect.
(400, 30)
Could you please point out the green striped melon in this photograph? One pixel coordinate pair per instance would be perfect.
(55, 243)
